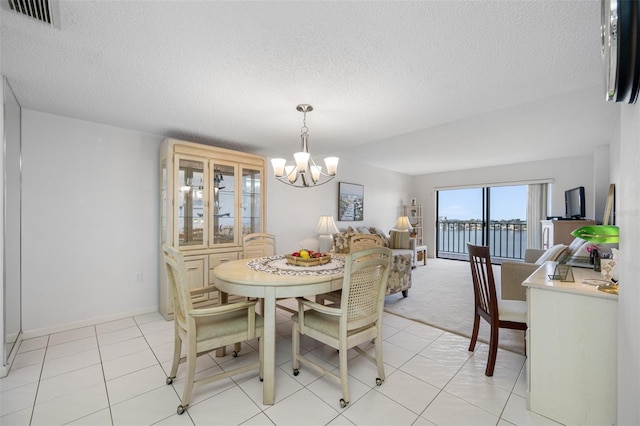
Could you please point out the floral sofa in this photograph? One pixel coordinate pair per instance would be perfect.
(403, 258)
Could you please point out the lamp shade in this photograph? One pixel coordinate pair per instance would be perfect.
(403, 224)
(278, 166)
(326, 226)
(604, 234)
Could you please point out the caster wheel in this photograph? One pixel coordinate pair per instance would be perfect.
(378, 381)
(181, 409)
(235, 354)
(343, 403)
(296, 371)
(261, 379)
(169, 380)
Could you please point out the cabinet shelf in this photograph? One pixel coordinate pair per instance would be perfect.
(414, 213)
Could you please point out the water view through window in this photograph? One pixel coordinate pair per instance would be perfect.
(492, 216)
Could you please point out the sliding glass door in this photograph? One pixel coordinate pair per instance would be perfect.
(460, 220)
(492, 216)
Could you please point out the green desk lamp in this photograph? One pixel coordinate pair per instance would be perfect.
(600, 234)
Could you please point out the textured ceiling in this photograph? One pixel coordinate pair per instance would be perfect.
(415, 87)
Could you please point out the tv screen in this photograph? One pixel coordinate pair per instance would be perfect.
(574, 203)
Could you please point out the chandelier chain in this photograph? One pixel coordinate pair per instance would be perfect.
(304, 129)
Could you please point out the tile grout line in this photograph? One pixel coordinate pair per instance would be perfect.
(144, 336)
(35, 398)
(511, 392)
(104, 377)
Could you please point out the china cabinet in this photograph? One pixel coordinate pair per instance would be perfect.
(209, 198)
(414, 213)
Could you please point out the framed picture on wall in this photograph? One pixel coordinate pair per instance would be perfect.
(350, 202)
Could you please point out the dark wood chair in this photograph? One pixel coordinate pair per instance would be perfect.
(506, 314)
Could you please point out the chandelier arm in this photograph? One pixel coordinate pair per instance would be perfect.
(311, 162)
(284, 180)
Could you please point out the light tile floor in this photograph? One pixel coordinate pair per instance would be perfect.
(114, 373)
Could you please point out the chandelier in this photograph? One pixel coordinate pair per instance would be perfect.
(305, 172)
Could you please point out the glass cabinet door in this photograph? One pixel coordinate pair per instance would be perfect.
(164, 230)
(191, 202)
(223, 210)
(251, 205)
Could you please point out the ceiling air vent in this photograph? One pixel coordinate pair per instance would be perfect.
(45, 11)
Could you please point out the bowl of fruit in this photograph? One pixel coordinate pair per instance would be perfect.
(306, 257)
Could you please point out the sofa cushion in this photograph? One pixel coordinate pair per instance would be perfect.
(382, 235)
(341, 241)
(399, 240)
(554, 253)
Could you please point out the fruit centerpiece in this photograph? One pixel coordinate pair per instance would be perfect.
(307, 258)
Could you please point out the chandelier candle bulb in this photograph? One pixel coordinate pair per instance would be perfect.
(291, 173)
(278, 166)
(315, 173)
(332, 165)
(302, 159)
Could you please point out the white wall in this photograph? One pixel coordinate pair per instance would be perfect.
(601, 179)
(566, 173)
(90, 222)
(90, 217)
(628, 218)
(293, 213)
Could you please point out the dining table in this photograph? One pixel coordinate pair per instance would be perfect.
(271, 278)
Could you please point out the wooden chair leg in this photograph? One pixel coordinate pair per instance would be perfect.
(493, 350)
(295, 346)
(177, 349)
(474, 334)
(261, 356)
(379, 361)
(192, 355)
(344, 377)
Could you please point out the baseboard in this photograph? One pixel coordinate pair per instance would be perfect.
(4, 371)
(38, 332)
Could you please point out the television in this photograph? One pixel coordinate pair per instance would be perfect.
(574, 203)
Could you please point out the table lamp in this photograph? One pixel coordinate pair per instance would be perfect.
(403, 224)
(326, 228)
(600, 234)
(603, 234)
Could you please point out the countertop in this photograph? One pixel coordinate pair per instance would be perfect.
(540, 279)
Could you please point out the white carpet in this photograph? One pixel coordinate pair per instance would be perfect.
(441, 295)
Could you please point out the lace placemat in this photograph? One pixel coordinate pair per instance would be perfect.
(278, 265)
